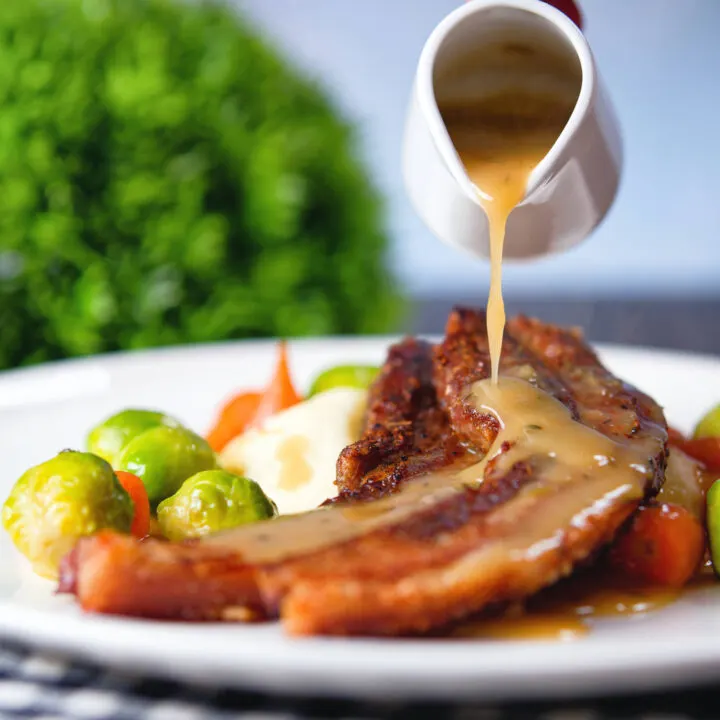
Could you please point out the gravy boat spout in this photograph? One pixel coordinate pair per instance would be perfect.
(491, 46)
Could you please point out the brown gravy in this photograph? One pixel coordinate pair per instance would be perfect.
(501, 137)
(584, 471)
(587, 470)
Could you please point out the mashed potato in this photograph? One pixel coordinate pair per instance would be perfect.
(293, 456)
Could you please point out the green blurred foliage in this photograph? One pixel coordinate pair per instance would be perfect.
(166, 177)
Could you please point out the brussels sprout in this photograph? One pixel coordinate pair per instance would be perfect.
(108, 438)
(713, 524)
(58, 501)
(210, 501)
(164, 457)
(709, 426)
(350, 376)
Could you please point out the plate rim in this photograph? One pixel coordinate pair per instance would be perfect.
(80, 637)
(295, 667)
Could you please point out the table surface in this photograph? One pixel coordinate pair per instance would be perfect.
(44, 686)
(678, 324)
(40, 685)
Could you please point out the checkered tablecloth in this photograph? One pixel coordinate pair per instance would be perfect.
(46, 687)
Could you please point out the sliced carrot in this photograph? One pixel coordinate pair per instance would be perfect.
(235, 416)
(664, 545)
(706, 450)
(676, 438)
(134, 487)
(251, 408)
(280, 394)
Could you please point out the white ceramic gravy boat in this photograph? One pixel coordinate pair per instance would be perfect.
(570, 190)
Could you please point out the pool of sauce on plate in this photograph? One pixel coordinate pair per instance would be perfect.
(502, 136)
(566, 611)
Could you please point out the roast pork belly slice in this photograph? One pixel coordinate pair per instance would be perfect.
(439, 545)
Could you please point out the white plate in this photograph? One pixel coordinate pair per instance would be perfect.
(46, 409)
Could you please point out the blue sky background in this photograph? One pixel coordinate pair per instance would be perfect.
(661, 63)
